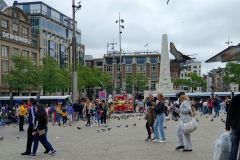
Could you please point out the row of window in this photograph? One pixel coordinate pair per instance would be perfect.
(129, 68)
(129, 60)
(15, 27)
(5, 52)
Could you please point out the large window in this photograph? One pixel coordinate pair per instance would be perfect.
(141, 60)
(154, 76)
(15, 27)
(119, 68)
(34, 58)
(4, 51)
(128, 60)
(141, 68)
(25, 53)
(153, 59)
(109, 68)
(25, 31)
(15, 52)
(5, 66)
(4, 23)
(154, 67)
(128, 68)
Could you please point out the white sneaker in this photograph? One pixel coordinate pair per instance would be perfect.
(163, 141)
(156, 141)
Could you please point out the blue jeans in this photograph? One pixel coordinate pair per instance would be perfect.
(235, 136)
(205, 110)
(59, 116)
(43, 140)
(216, 109)
(97, 118)
(158, 125)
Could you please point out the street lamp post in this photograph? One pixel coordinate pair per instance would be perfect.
(120, 27)
(113, 66)
(74, 52)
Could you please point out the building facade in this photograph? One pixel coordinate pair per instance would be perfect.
(55, 32)
(145, 63)
(215, 79)
(16, 39)
(190, 66)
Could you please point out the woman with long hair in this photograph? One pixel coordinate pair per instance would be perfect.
(40, 131)
(159, 111)
(185, 116)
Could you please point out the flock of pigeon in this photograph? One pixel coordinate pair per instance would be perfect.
(120, 118)
(125, 117)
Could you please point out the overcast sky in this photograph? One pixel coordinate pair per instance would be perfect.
(195, 26)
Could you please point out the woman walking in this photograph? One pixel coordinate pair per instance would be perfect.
(40, 131)
(150, 117)
(185, 116)
(159, 111)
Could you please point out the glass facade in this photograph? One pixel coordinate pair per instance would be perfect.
(62, 55)
(141, 60)
(154, 59)
(128, 60)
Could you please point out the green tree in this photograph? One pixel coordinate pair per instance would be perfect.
(52, 77)
(138, 82)
(23, 75)
(90, 78)
(232, 73)
(192, 82)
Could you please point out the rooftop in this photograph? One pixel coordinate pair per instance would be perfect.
(232, 53)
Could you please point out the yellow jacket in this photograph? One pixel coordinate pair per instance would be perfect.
(64, 114)
(22, 110)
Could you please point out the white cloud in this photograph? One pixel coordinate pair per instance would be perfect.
(196, 27)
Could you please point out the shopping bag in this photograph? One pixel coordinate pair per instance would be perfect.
(189, 127)
(222, 147)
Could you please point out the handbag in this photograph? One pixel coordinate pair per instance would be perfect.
(41, 132)
(189, 127)
(222, 147)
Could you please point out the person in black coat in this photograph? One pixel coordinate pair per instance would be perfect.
(233, 125)
(31, 120)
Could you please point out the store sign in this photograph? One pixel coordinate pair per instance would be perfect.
(16, 38)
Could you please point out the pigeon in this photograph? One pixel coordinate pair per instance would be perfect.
(109, 129)
(206, 117)
(212, 120)
(165, 127)
(1, 138)
(139, 119)
(79, 128)
(197, 120)
(98, 131)
(18, 137)
(119, 126)
(70, 125)
(103, 130)
(134, 124)
(126, 126)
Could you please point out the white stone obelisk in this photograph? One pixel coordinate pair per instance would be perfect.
(165, 84)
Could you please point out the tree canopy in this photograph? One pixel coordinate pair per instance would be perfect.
(232, 73)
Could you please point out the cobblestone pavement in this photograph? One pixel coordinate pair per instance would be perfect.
(124, 143)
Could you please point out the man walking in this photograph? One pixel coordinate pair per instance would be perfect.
(31, 119)
(233, 124)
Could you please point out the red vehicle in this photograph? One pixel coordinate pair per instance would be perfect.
(123, 103)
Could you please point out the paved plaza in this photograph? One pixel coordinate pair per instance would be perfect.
(120, 143)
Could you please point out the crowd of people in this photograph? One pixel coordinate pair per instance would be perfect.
(97, 113)
(155, 117)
